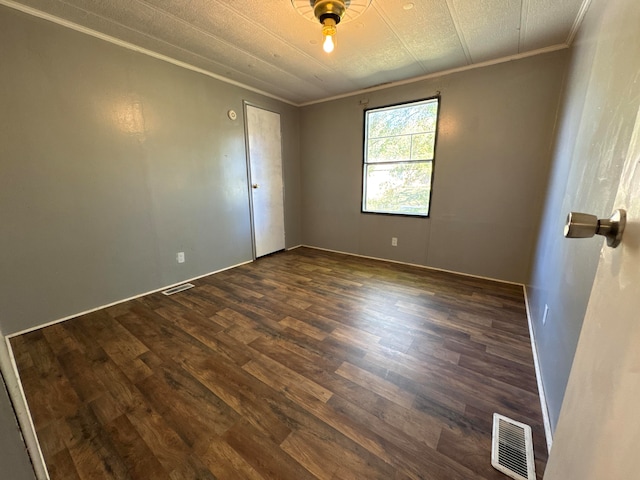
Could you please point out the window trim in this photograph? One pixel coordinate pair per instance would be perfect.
(364, 150)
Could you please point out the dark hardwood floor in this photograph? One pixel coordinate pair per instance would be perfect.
(302, 365)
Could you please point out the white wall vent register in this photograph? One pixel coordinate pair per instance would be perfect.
(512, 448)
(179, 288)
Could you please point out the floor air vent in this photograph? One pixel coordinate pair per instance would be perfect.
(179, 288)
(512, 448)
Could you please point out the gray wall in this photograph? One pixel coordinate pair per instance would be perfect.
(492, 157)
(596, 122)
(111, 162)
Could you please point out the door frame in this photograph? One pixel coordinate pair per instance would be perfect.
(245, 104)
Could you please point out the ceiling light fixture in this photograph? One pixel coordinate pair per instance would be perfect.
(330, 13)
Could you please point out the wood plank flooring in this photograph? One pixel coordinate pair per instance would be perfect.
(302, 365)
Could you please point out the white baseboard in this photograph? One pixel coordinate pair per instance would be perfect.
(413, 265)
(543, 399)
(69, 317)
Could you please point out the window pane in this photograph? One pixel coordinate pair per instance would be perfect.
(402, 120)
(423, 146)
(399, 152)
(398, 188)
(389, 149)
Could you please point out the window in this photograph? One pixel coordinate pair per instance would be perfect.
(399, 145)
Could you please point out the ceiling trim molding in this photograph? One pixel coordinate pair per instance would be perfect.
(488, 63)
(130, 46)
(578, 21)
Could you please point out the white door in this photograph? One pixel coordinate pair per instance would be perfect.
(266, 185)
(598, 434)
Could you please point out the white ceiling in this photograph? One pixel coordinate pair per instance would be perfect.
(268, 46)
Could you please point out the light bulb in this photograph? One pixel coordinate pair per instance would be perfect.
(328, 30)
(327, 46)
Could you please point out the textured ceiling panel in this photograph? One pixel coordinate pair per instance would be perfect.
(361, 62)
(216, 47)
(491, 28)
(240, 31)
(427, 31)
(279, 18)
(270, 47)
(548, 22)
(58, 9)
(277, 41)
(120, 11)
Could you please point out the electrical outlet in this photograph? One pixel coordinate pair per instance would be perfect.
(180, 257)
(545, 314)
(394, 241)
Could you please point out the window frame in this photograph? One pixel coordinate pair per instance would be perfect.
(365, 163)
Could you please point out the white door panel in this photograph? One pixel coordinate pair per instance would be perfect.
(598, 434)
(265, 161)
